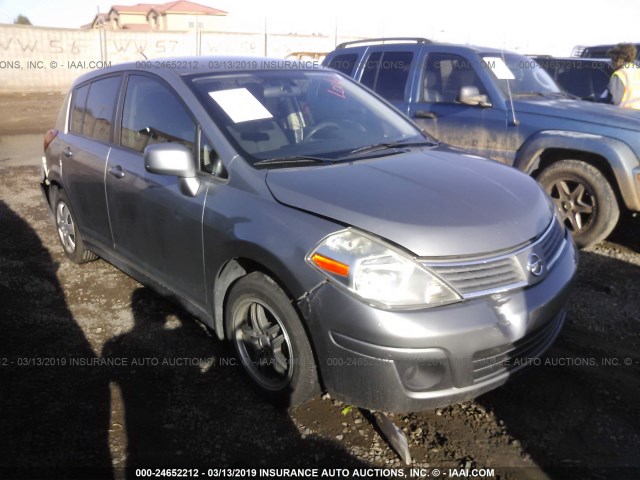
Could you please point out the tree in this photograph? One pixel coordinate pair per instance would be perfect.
(22, 20)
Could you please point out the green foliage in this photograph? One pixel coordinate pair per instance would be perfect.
(22, 20)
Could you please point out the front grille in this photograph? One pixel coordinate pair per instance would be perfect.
(475, 277)
(494, 361)
(551, 243)
(469, 278)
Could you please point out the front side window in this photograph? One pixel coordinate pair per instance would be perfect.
(152, 114)
(100, 108)
(444, 75)
(267, 114)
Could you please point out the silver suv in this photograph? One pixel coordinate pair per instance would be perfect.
(312, 225)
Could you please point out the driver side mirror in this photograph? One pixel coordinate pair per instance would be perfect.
(471, 96)
(173, 159)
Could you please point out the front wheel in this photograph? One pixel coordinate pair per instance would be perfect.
(585, 199)
(270, 341)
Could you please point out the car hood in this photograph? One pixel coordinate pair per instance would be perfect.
(581, 111)
(432, 202)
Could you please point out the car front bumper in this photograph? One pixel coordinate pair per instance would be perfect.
(402, 361)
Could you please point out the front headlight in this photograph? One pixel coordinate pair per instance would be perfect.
(378, 273)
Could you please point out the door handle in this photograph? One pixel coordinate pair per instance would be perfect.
(67, 152)
(116, 171)
(425, 114)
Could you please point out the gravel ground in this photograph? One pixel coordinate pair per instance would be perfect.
(171, 398)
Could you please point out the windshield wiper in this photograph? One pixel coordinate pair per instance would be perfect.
(293, 159)
(529, 94)
(564, 95)
(385, 146)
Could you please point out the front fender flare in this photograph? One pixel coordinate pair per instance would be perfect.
(624, 163)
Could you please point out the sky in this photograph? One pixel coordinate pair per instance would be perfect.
(541, 27)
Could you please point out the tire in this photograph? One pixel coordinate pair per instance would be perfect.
(270, 341)
(67, 227)
(585, 199)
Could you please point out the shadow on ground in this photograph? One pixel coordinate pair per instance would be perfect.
(54, 417)
(163, 394)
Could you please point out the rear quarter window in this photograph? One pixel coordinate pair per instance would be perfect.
(387, 73)
(344, 63)
(78, 101)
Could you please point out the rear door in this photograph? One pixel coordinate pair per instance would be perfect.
(156, 228)
(86, 147)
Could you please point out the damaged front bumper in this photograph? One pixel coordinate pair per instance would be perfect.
(403, 361)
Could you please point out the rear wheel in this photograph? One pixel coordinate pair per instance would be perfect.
(585, 199)
(270, 341)
(68, 231)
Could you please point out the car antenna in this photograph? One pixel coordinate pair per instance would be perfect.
(514, 120)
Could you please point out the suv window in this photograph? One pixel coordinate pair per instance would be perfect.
(387, 73)
(444, 75)
(78, 102)
(344, 63)
(152, 114)
(100, 107)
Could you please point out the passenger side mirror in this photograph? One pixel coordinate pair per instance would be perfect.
(471, 96)
(173, 159)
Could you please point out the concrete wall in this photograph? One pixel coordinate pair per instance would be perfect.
(37, 59)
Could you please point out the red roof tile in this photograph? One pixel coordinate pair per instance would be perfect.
(180, 6)
(137, 8)
(185, 6)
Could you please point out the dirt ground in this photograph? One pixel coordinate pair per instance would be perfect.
(170, 398)
(22, 113)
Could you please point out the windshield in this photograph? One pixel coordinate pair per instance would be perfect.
(522, 75)
(289, 114)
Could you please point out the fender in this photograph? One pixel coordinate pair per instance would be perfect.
(229, 273)
(623, 161)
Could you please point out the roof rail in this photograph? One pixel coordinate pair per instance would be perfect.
(386, 40)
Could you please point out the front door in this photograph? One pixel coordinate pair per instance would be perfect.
(156, 228)
(477, 129)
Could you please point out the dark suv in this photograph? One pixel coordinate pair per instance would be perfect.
(504, 106)
(600, 51)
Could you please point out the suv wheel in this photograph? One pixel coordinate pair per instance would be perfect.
(270, 341)
(67, 227)
(586, 201)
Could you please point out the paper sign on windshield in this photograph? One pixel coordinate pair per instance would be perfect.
(240, 105)
(499, 68)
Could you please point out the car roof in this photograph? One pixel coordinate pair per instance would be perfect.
(403, 41)
(190, 65)
(571, 59)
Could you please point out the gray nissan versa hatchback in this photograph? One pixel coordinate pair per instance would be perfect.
(304, 219)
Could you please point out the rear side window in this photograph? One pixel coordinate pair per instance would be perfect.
(152, 114)
(344, 63)
(100, 108)
(78, 102)
(387, 73)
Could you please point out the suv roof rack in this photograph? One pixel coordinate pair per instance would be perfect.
(385, 40)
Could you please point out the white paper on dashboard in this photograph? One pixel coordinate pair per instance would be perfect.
(240, 105)
(499, 68)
